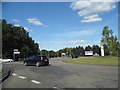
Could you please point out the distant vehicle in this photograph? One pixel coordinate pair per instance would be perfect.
(96, 54)
(6, 60)
(75, 56)
(37, 60)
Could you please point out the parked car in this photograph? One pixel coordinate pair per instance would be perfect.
(37, 60)
(6, 60)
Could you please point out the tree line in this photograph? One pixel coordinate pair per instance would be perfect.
(77, 51)
(109, 41)
(16, 37)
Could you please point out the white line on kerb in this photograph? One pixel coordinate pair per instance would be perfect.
(22, 77)
(36, 82)
(14, 74)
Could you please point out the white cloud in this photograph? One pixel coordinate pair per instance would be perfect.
(91, 10)
(35, 21)
(16, 20)
(104, 0)
(77, 33)
(17, 25)
(26, 28)
(97, 42)
(92, 18)
(69, 42)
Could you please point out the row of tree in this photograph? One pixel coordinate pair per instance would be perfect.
(109, 41)
(77, 51)
(16, 37)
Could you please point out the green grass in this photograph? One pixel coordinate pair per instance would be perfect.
(94, 60)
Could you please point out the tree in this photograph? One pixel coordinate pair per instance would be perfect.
(81, 51)
(96, 49)
(111, 44)
(88, 48)
(14, 37)
(52, 53)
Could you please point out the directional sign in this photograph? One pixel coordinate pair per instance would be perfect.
(16, 52)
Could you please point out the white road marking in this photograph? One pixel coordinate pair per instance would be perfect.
(55, 87)
(22, 77)
(36, 82)
(14, 74)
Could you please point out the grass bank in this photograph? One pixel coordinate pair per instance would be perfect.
(107, 60)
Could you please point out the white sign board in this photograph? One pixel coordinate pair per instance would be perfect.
(88, 52)
(16, 52)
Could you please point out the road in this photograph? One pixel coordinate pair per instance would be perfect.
(62, 75)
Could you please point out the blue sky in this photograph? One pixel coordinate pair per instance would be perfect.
(56, 25)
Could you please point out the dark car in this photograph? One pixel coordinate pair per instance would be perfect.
(37, 60)
(74, 56)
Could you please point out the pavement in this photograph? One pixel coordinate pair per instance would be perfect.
(59, 75)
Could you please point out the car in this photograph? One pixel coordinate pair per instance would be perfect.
(75, 56)
(6, 60)
(37, 60)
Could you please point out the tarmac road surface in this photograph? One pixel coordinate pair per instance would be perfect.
(62, 75)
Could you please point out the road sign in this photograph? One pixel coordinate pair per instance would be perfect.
(88, 52)
(16, 52)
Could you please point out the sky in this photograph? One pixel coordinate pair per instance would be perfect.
(56, 25)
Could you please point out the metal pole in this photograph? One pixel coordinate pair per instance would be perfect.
(13, 56)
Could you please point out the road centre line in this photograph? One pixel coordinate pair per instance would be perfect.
(14, 74)
(36, 82)
(55, 87)
(22, 77)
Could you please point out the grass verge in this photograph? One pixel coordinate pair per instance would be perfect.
(106, 60)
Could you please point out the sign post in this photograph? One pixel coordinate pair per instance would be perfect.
(15, 51)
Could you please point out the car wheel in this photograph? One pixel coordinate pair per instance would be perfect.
(25, 63)
(38, 64)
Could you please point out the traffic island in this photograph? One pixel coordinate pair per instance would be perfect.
(106, 60)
